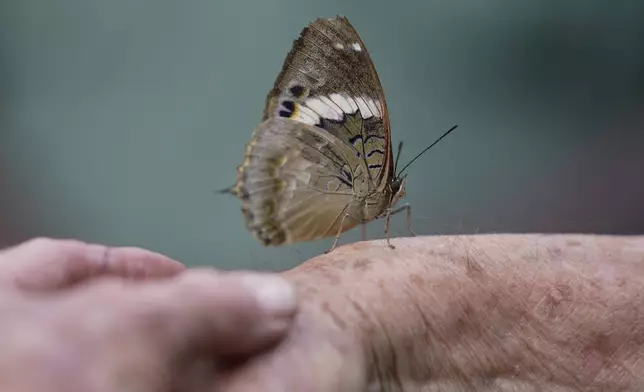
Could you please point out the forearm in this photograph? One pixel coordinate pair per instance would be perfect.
(490, 312)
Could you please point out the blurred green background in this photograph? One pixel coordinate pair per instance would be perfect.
(119, 119)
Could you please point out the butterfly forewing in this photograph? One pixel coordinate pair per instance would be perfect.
(328, 75)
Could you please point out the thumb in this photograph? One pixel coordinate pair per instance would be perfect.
(45, 264)
(206, 313)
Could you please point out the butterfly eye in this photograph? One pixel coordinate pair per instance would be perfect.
(395, 186)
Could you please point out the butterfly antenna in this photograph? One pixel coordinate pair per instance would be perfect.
(398, 155)
(427, 149)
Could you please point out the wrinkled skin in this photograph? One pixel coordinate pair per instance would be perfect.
(452, 313)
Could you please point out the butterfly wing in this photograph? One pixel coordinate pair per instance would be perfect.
(328, 75)
(323, 150)
(296, 183)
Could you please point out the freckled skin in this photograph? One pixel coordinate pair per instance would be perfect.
(491, 312)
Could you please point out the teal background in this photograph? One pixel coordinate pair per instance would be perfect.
(119, 119)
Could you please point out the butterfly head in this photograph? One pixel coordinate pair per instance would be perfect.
(397, 186)
(398, 182)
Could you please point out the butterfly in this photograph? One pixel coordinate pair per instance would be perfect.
(320, 162)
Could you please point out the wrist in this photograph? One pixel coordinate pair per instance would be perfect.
(325, 312)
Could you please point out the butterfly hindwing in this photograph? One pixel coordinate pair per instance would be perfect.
(328, 80)
(296, 183)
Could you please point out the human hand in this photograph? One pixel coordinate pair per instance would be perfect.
(490, 313)
(485, 312)
(453, 313)
(324, 350)
(78, 331)
(71, 322)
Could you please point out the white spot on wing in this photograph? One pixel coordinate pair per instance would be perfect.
(324, 109)
(338, 46)
(335, 106)
(343, 103)
(308, 116)
(373, 107)
(354, 105)
(356, 46)
(364, 107)
(332, 105)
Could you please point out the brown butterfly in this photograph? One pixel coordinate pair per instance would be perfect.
(321, 161)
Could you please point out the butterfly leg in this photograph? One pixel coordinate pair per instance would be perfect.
(364, 224)
(406, 207)
(387, 227)
(337, 237)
